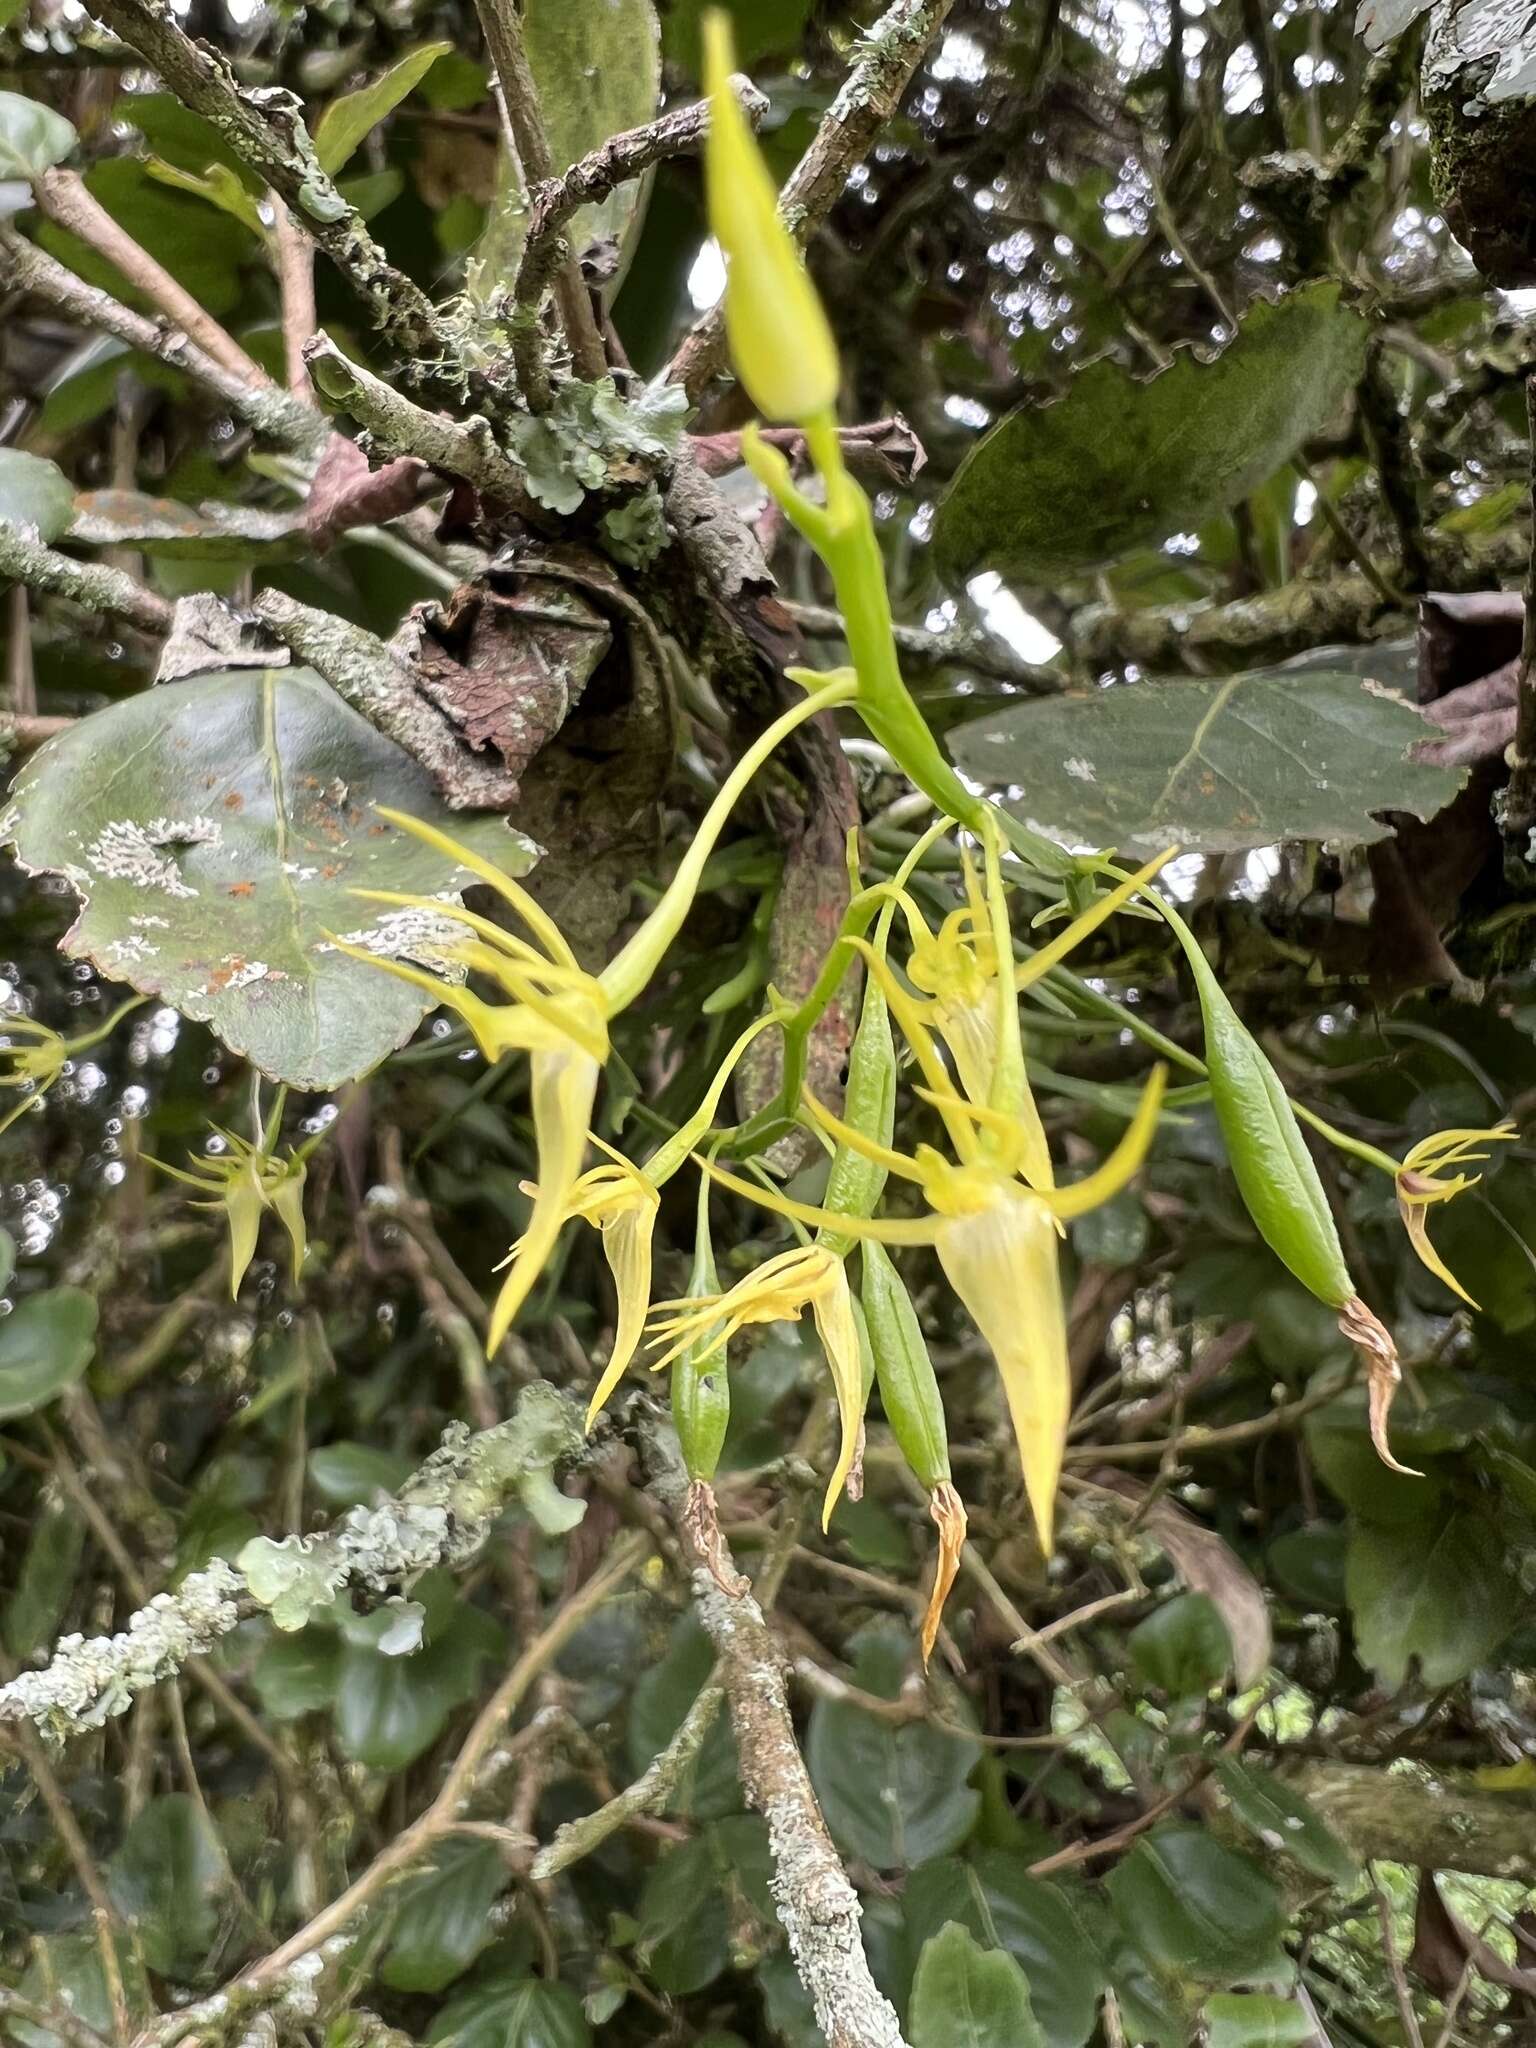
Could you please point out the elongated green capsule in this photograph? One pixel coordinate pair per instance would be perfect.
(701, 1388)
(855, 1184)
(1270, 1161)
(909, 1387)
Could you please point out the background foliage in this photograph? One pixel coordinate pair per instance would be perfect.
(1251, 1759)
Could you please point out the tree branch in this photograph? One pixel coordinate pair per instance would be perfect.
(868, 100)
(1435, 1821)
(263, 407)
(818, 1907)
(266, 130)
(504, 39)
(624, 156)
(28, 560)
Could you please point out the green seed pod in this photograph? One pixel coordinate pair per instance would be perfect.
(701, 1388)
(855, 1184)
(909, 1387)
(1270, 1160)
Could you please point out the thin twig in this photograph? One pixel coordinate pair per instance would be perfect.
(504, 39)
(444, 1813)
(264, 407)
(97, 588)
(869, 98)
(295, 263)
(1395, 1970)
(63, 197)
(655, 1784)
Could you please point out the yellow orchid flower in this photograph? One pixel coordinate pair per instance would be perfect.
(557, 1012)
(811, 1276)
(996, 1239)
(244, 1181)
(35, 1067)
(779, 336)
(621, 1200)
(1421, 1183)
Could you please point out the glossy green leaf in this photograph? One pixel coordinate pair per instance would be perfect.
(347, 120)
(443, 1917)
(218, 184)
(1434, 1594)
(33, 138)
(1284, 1821)
(204, 251)
(1252, 2019)
(1183, 1647)
(1196, 1908)
(893, 1795)
(69, 1968)
(1214, 764)
(992, 1895)
(1056, 490)
(389, 1709)
(214, 875)
(966, 1996)
(690, 1906)
(298, 1674)
(46, 1342)
(166, 1880)
(513, 2012)
(35, 493)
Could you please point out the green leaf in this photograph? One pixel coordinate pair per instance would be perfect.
(1252, 2019)
(992, 1895)
(443, 1920)
(218, 184)
(1437, 1592)
(389, 1710)
(965, 1996)
(1056, 490)
(214, 874)
(204, 252)
(1212, 764)
(347, 1475)
(1283, 1820)
(893, 1795)
(346, 121)
(166, 1880)
(1308, 1563)
(35, 493)
(1183, 1648)
(760, 28)
(66, 1969)
(598, 71)
(686, 1912)
(1197, 1909)
(36, 1607)
(33, 138)
(298, 1674)
(513, 2012)
(46, 1342)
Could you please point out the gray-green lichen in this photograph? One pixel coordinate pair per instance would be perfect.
(441, 1516)
(592, 438)
(88, 1681)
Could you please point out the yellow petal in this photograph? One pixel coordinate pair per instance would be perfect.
(1416, 1222)
(1049, 956)
(832, 1308)
(896, 1230)
(1002, 1264)
(627, 1247)
(562, 1086)
(287, 1199)
(538, 920)
(1123, 1163)
(242, 1206)
(780, 341)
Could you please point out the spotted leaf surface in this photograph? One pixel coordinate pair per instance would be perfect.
(214, 831)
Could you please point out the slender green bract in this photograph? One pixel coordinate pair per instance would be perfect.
(701, 1388)
(909, 1387)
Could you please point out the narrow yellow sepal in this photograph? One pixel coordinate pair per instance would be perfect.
(562, 1084)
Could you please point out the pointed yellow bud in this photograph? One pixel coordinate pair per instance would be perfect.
(780, 341)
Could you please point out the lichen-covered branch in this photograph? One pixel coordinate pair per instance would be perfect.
(622, 157)
(465, 448)
(375, 681)
(817, 1906)
(1430, 1819)
(266, 130)
(441, 1516)
(868, 100)
(265, 408)
(26, 559)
